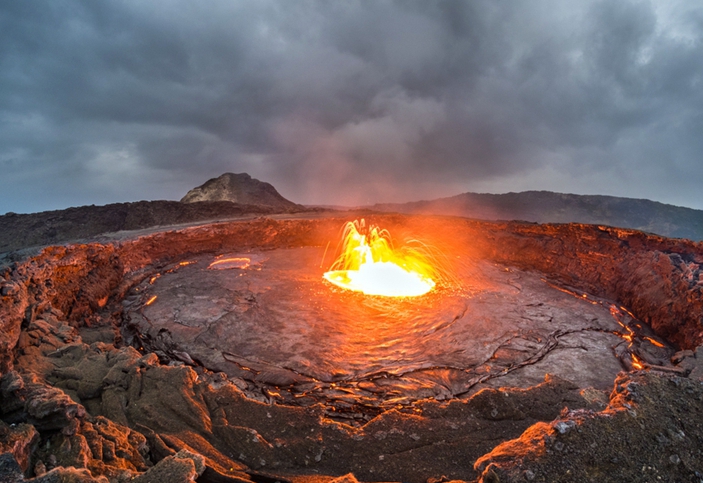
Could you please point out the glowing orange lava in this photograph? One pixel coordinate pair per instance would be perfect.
(232, 262)
(654, 342)
(371, 265)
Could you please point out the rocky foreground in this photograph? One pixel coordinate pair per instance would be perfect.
(79, 404)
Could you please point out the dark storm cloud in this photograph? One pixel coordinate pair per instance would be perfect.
(355, 101)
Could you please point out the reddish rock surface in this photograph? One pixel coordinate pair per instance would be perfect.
(595, 446)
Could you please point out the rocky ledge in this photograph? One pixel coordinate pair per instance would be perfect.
(21, 231)
(80, 404)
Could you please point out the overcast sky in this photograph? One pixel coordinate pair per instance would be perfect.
(349, 102)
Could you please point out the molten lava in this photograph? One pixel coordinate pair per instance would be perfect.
(370, 264)
(230, 262)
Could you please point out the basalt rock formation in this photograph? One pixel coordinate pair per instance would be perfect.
(239, 188)
(84, 398)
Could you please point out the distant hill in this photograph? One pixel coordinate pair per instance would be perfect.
(239, 188)
(548, 207)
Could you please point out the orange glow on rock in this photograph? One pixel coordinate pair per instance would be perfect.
(370, 264)
(654, 342)
(233, 262)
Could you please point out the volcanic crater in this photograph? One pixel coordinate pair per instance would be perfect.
(267, 318)
(222, 345)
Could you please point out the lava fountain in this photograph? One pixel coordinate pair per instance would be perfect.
(370, 264)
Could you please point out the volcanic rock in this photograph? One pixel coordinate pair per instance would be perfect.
(10, 471)
(19, 441)
(132, 399)
(239, 188)
(182, 467)
(68, 475)
(602, 446)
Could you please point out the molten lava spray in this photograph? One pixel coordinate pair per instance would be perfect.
(370, 264)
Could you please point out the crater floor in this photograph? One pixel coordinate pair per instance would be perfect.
(269, 320)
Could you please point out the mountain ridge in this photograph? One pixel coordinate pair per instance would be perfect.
(552, 207)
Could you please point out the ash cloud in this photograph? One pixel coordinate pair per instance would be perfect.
(349, 102)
